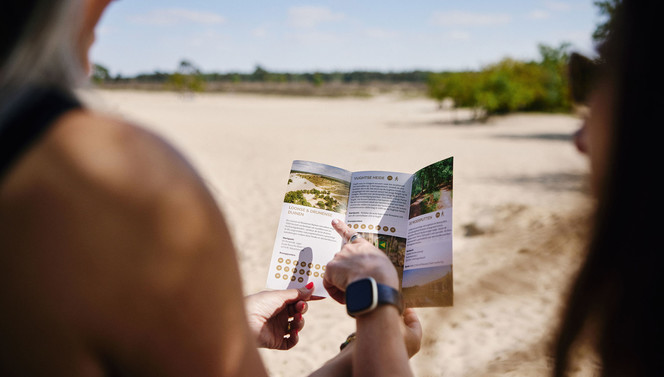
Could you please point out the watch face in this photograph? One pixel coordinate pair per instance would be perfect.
(361, 296)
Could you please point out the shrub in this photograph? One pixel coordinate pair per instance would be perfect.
(509, 85)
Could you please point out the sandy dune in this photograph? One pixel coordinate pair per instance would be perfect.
(520, 198)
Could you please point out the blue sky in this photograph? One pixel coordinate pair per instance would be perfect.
(293, 36)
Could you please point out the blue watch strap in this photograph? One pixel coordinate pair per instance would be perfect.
(389, 295)
(364, 295)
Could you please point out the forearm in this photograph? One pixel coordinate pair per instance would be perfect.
(379, 348)
(340, 365)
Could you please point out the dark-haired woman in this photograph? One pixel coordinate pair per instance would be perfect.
(614, 305)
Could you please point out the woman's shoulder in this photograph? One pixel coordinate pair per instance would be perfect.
(90, 162)
(116, 224)
(116, 155)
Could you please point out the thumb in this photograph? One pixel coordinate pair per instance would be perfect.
(411, 320)
(304, 293)
(299, 294)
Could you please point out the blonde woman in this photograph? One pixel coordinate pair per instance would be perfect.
(114, 257)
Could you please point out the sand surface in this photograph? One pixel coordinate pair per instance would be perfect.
(520, 204)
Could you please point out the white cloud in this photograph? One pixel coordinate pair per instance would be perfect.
(173, 16)
(538, 15)
(310, 16)
(461, 18)
(457, 35)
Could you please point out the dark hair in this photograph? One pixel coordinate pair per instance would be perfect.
(13, 19)
(38, 43)
(618, 293)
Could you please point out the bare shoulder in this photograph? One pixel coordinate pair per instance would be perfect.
(140, 182)
(131, 238)
(93, 164)
(116, 189)
(118, 155)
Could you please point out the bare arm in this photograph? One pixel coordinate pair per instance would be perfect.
(342, 363)
(380, 349)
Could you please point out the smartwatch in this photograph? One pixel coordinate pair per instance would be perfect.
(364, 295)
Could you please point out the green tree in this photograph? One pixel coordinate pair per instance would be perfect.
(436, 88)
(317, 79)
(433, 177)
(260, 74)
(509, 85)
(554, 80)
(187, 78)
(608, 10)
(461, 87)
(100, 74)
(296, 197)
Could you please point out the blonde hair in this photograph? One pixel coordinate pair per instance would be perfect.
(46, 54)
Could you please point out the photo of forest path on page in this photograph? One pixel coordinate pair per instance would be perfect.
(408, 217)
(427, 278)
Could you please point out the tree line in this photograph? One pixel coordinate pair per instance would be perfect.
(506, 86)
(102, 74)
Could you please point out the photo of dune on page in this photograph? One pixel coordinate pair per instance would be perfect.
(407, 216)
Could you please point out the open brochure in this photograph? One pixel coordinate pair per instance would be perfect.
(407, 216)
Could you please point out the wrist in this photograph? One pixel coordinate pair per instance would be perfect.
(380, 314)
(366, 295)
(385, 276)
(349, 339)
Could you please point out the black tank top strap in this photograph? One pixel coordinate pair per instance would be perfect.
(25, 117)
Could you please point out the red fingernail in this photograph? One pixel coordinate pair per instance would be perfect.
(298, 317)
(310, 285)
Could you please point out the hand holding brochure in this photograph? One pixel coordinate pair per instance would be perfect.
(409, 217)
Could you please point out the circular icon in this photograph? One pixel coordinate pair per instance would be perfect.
(437, 214)
(310, 264)
(322, 275)
(303, 264)
(285, 277)
(295, 262)
(301, 271)
(280, 260)
(316, 274)
(292, 278)
(370, 226)
(279, 267)
(323, 268)
(300, 280)
(389, 177)
(277, 275)
(363, 226)
(286, 268)
(385, 228)
(308, 273)
(355, 226)
(318, 266)
(393, 229)
(287, 261)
